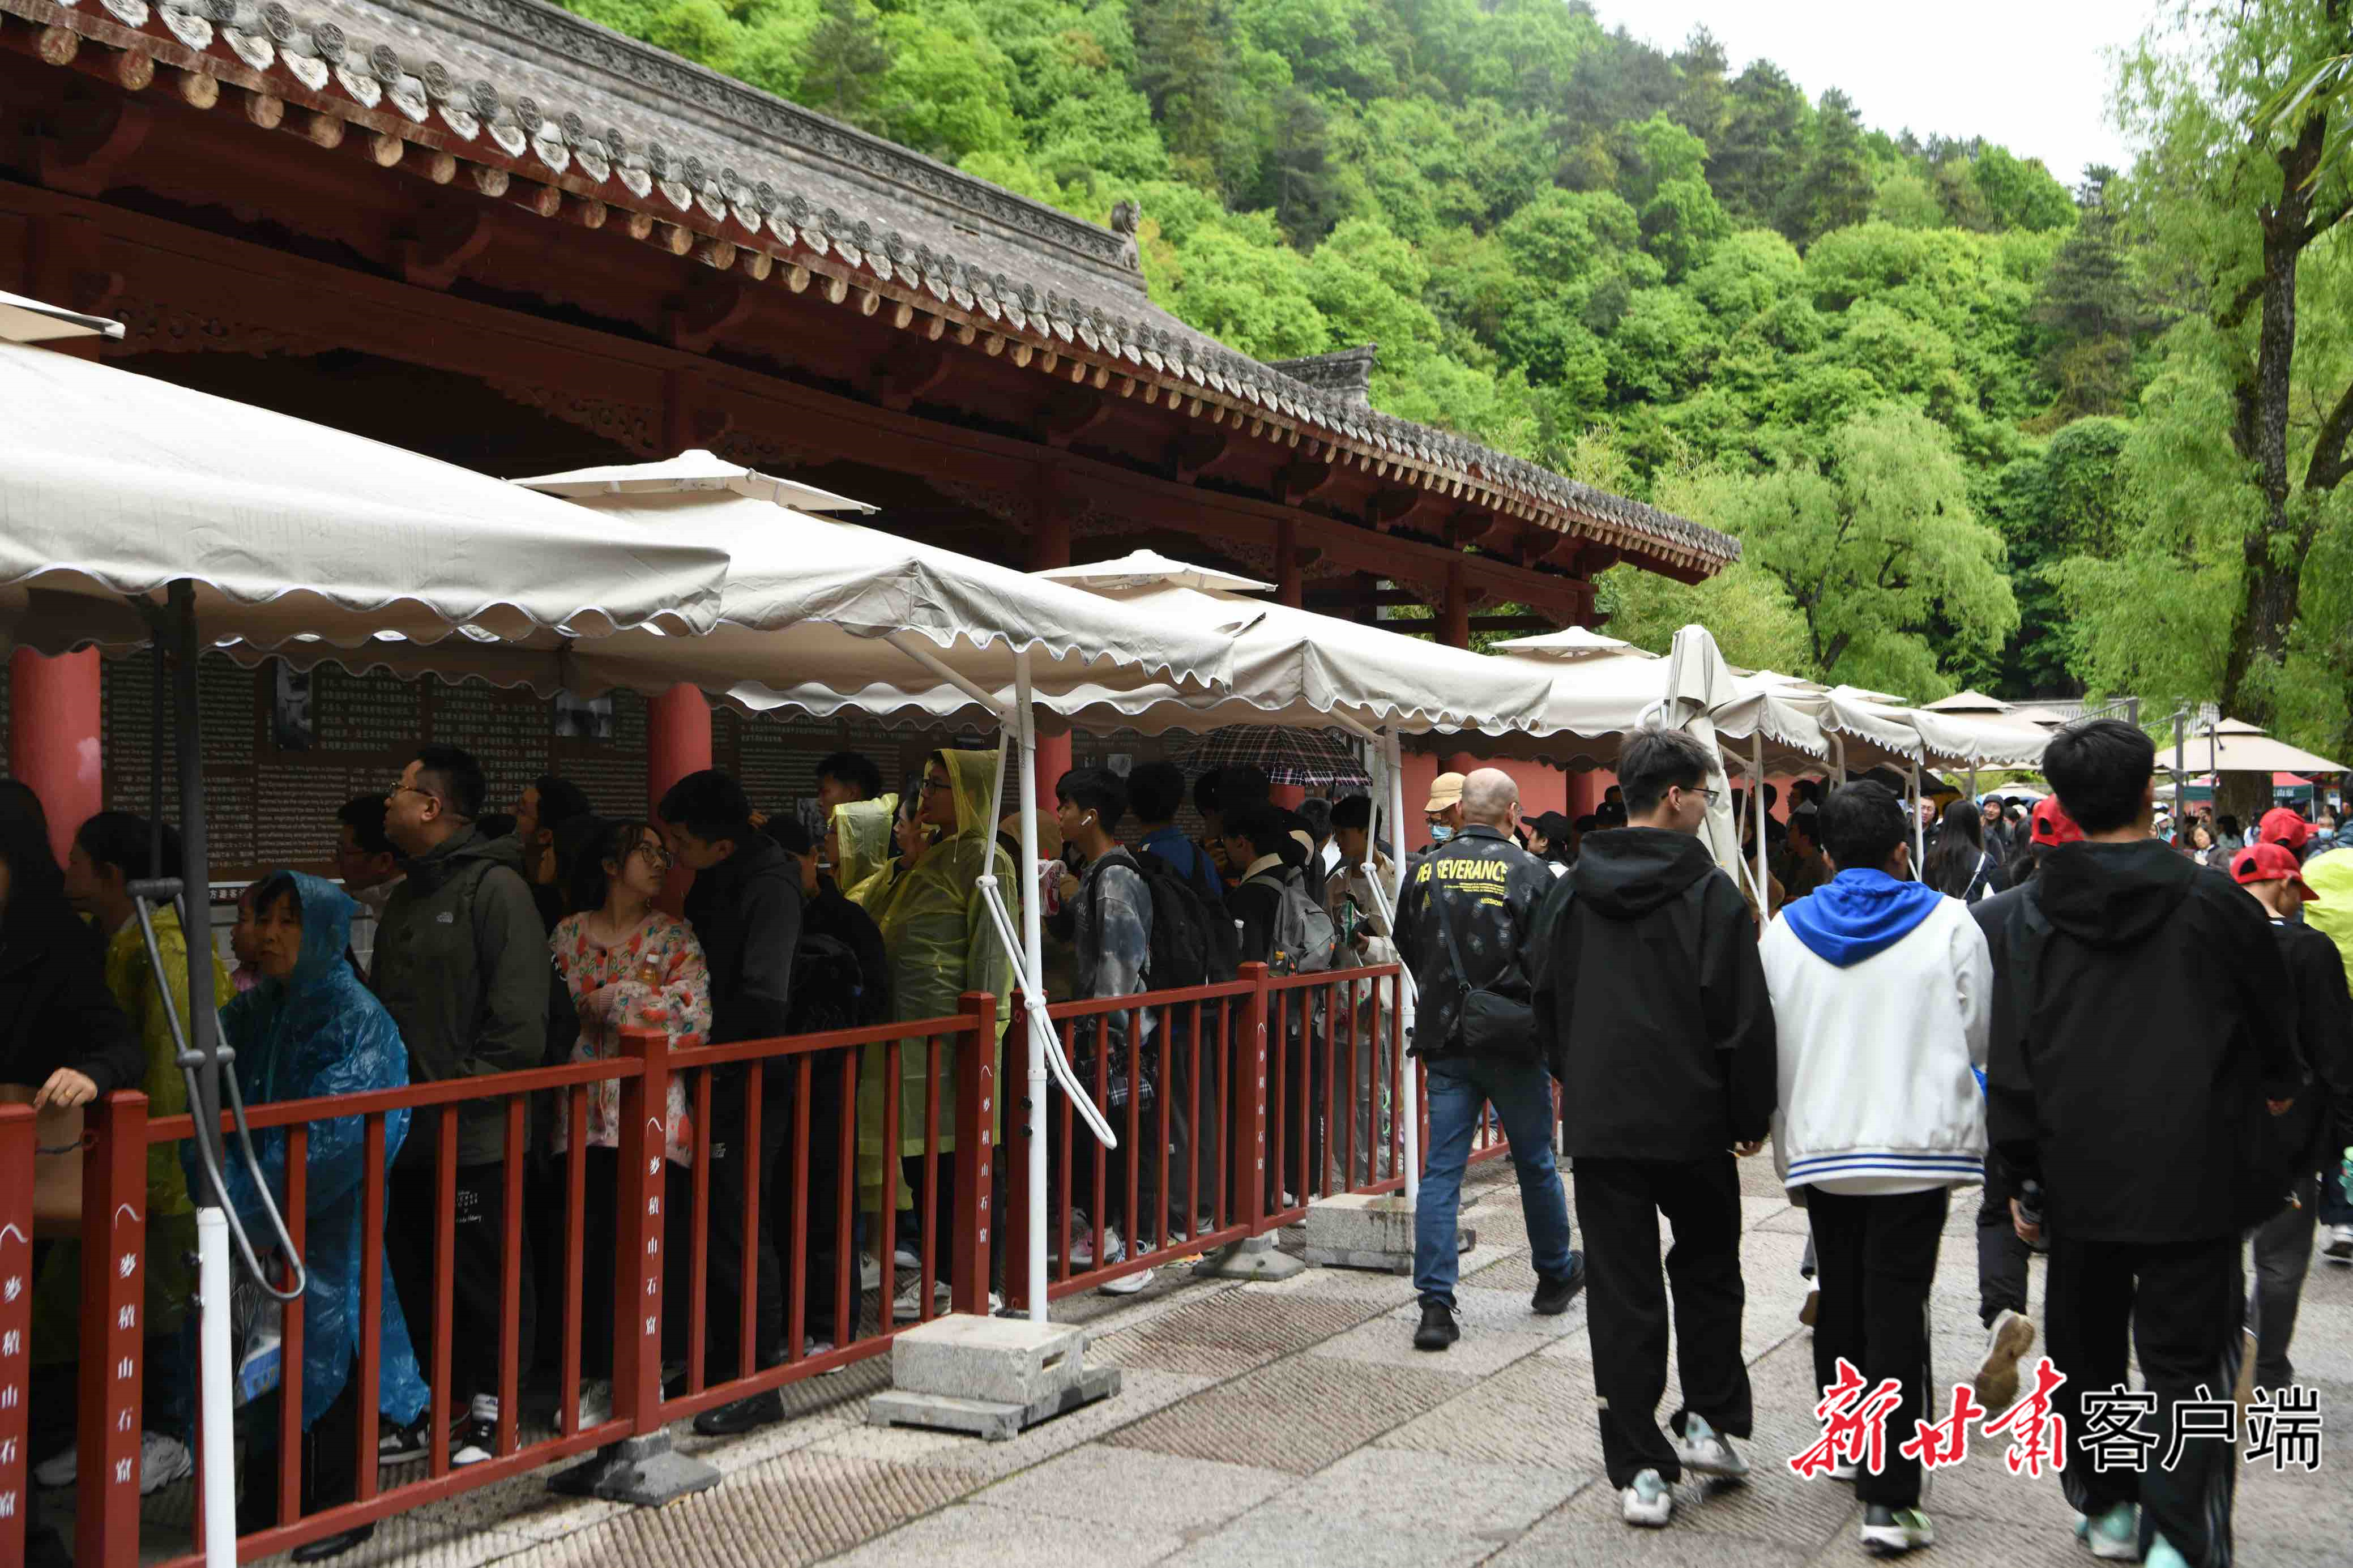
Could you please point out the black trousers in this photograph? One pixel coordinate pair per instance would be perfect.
(478, 1267)
(735, 1165)
(2001, 1256)
(1619, 1202)
(330, 1459)
(599, 1234)
(1877, 1258)
(2181, 1304)
(2283, 1255)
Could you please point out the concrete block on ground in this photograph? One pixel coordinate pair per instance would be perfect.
(1354, 1231)
(1251, 1257)
(990, 1377)
(997, 1421)
(997, 1361)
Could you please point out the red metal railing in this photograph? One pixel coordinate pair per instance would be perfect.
(1234, 1094)
(114, 1203)
(15, 1325)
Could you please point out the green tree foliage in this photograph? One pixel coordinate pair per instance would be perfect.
(1670, 273)
(2229, 585)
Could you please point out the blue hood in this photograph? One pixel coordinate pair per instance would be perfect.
(1858, 915)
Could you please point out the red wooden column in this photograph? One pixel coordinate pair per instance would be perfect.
(677, 743)
(1049, 546)
(1454, 614)
(1289, 587)
(53, 737)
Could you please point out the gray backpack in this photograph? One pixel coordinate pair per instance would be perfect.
(1304, 937)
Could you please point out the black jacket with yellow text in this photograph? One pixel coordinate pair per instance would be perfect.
(1491, 889)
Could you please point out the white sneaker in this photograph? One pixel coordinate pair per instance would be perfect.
(1842, 1470)
(596, 1405)
(907, 1305)
(57, 1470)
(1127, 1284)
(1892, 1532)
(479, 1439)
(1648, 1502)
(869, 1273)
(1708, 1452)
(163, 1459)
(2009, 1337)
(2339, 1248)
(1082, 1240)
(904, 1256)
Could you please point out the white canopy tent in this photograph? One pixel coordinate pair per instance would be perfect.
(809, 601)
(1296, 667)
(134, 512)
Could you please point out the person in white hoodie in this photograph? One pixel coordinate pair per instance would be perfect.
(1882, 990)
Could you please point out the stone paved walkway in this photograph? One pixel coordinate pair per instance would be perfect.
(1293, 1424)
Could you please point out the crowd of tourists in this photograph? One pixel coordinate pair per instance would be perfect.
(2143, 1060)
(1896, 1032)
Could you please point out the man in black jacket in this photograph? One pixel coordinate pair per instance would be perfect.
(745, 908)
(2321, 1121)
(1652, 1003)
(460, 963)
(1463, 925)
(2142, 1019)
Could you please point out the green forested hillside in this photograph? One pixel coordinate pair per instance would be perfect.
(1895, 369)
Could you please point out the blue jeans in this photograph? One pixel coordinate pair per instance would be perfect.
(1521, 1093)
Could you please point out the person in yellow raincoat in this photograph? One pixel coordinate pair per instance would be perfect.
(110, 851)
(857, 844)
(941, 944)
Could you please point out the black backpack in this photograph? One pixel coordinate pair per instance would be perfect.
(1187, 925)
(832, 990)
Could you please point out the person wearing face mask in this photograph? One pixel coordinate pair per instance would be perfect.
(1443, 809)
(310, 1029)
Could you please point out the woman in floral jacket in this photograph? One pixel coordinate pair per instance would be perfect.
(626, 964)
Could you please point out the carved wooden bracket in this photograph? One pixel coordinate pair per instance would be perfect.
(911, 367)
(1070, 414)
(90, 140)
(1194, 452)
(444, 238)
(713, 303)
(1299, 481)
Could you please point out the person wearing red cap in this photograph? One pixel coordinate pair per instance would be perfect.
(2284, 825)
(2143, 1025)
(2316, 1126)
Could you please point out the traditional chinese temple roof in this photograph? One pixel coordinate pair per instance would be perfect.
(520, 90)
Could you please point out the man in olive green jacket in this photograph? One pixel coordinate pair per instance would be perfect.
(460, 963)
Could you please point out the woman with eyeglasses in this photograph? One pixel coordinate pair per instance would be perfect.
(626, 964)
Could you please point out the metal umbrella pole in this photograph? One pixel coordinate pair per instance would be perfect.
(201, 1055)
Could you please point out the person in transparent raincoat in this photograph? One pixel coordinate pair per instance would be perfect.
(941, 944)
(310, 1028)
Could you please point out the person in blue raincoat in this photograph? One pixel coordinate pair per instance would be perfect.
(310, 1028)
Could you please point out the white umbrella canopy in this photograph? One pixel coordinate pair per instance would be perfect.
(1700, 683)
(1967, 701)
(1601, 694)
(1295, 667)
(810, 602)
(114, 484)
(2240, 748)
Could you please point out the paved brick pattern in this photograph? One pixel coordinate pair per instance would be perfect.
(1293, 1424)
